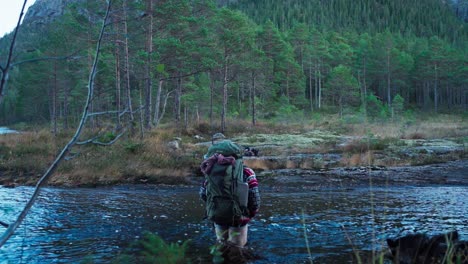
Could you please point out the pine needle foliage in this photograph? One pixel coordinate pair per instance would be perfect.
(152, 249)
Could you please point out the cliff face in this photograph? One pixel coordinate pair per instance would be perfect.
(45, 11)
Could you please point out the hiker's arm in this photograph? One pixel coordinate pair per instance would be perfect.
(254, 201)
(202, 191)
(254, 194)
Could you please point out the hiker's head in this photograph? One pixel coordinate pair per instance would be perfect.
(216, 138)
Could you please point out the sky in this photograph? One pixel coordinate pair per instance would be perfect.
(9, 14)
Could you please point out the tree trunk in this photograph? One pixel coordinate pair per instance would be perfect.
(148, 77)
(185, 117)
(210, 74)
(320, 88)
(364, 84)
(164, 107)
(127, 63)
(142, 123)
(157, 103)
(53, 97)
(316, 80)
(117, 101)
(117, 86)
(6, 68)
(287, 87)
(389, 96)
(464, 97)
(252, 100)
(449, 95)
(225, 94)
(426, 97)
(66, 94)
(340, 104)
(360, 86)
(364, 79)
(239, 99)
(311, 91)
(178, 96)
(436, 89)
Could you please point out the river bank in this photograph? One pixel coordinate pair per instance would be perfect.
(345, 153)
(448, 173)
(452, 173)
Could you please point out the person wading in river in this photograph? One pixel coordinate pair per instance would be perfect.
(230, 191)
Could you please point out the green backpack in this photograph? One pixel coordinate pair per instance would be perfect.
(226, 190)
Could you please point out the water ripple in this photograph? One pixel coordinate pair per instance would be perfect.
(70, 225)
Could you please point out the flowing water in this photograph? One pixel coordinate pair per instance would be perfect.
(72, 225)
(6, 130)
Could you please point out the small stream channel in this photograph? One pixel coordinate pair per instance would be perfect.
(70, 225)
(6, 130)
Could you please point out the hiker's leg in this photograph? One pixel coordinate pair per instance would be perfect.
(222, 233)
(238, 235)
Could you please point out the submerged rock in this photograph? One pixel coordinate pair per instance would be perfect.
(228, 253)
(423, 249)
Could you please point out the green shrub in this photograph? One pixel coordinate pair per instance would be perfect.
(398, 106)
(376, 110)
(152, 249)
(5, 152)
(132, 147)
(409, 116)
(107, 137)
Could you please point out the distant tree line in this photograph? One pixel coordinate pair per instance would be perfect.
(187, 61)
(424, 18)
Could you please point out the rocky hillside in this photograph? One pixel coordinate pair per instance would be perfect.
(44, 11)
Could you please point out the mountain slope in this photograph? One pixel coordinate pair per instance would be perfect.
(423, 18)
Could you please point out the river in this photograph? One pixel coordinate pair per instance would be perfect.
(6, 130)
(72, 225)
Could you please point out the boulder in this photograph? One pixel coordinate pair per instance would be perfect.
(420, 248)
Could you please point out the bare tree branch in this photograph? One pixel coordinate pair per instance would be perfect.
(164, 108)
(11, 228)
(72, 156)
(88, 140)
(4, 224)
(121, 113)
(106, 113)
(95, 140)
(6, 68)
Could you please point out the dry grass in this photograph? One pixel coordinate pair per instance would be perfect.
(358, 159)
(428, 127)
(28, 150)
(441, 126)
(24, 157)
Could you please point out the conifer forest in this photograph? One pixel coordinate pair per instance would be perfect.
(182, 61)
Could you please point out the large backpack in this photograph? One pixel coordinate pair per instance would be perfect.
(226, 190)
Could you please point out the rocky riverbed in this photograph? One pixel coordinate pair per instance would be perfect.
(450, 173)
